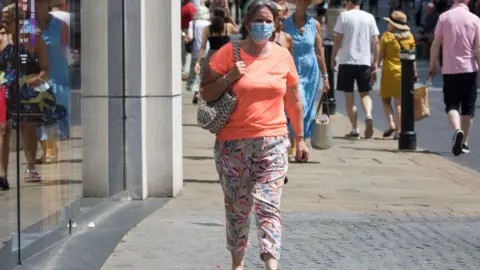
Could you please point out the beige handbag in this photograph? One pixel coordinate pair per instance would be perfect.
(420, 103)
(322, 137)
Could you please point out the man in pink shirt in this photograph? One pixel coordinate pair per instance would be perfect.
(458, 32)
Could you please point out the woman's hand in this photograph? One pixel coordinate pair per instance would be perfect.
(34, 82)
(326, 85)
(237, 71)
(197, 68)
(303, 154)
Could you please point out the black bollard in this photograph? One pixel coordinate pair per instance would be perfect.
(408, 137)
(330, 100)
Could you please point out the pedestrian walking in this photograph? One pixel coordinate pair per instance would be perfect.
(282, 38)
(216, 35)
(398, 37)
(55, 34)
(283, 9)
(306, 33)
(196, 31)
(356, 42)
(187, 14)
(251, 149)
(373, 8)
(458, 32)
(36, 72)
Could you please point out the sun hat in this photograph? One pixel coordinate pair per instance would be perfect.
(399, 20)
(203, 13)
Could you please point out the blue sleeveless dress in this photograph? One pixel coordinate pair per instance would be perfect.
(307, 68)
(59, 74)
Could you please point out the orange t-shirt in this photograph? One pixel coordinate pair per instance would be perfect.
(260, 110)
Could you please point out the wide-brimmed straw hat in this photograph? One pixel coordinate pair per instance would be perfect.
(399, 20)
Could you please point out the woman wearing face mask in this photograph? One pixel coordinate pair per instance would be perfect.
(308, 54)
(251, 149)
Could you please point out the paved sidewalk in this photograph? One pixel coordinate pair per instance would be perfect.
(359, 205)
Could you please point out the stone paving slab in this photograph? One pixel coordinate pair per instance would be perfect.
(359, 205)
(311, 240)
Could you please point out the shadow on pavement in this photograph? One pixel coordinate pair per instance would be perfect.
(392, 150)
(200, 181)
(208, 224)
(198, 157)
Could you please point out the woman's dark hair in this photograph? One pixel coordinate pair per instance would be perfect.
(252, 9)
(218, 21)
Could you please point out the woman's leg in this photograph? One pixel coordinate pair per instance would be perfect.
(48, 142)
(387, 109)
(197, 81)
(398, 115)
(231, 160)
(5, 133)
(269, 176)
(29, 136)
(192, 80)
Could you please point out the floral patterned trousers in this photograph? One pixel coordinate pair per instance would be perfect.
(252, 174)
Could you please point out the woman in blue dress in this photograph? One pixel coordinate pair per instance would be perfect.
(306, 33)
(55, 34)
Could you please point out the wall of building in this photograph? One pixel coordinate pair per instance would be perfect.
(132, 94)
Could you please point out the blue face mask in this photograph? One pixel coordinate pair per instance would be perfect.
(261, 32)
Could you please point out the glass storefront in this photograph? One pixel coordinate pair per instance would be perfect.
(71, 71)
(41, 130)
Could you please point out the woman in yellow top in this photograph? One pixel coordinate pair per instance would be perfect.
(398, 37)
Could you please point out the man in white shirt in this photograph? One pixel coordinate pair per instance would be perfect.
(356, 43)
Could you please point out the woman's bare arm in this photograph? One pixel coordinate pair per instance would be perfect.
(232, 28)
(289, 40)
(319, 49)
(294, 108)
(214, 84)
(381, 55)
(41, 52)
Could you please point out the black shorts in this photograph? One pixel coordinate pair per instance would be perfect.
(460, 92)
(349, 74)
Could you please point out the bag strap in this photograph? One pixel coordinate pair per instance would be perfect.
(320, 105)
(236, 51)
(399, 43)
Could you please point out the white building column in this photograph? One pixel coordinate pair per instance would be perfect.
(102, 104)
(153, 101)
(141, 75)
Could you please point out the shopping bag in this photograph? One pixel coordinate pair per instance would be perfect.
(420, 103)
(322, 137)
